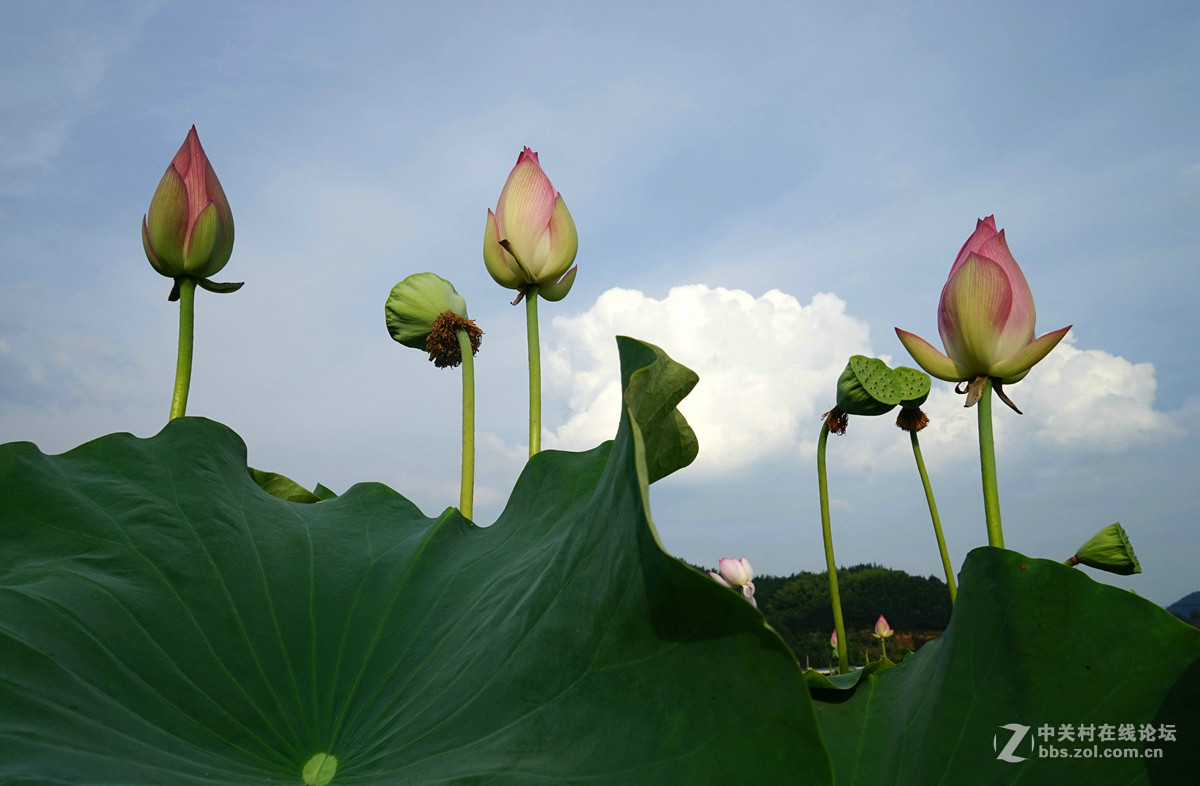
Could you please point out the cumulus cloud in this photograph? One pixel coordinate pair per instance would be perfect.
(768, 367)
(1095, 400)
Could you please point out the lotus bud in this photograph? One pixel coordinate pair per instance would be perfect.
(833, 640)
(424, 311)
(530, 240)
(736, 571)
(882, 629)
(985, 318)
(736, 574)
(188, 230)
(1109, 550)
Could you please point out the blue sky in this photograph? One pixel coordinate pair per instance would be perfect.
(762, 193)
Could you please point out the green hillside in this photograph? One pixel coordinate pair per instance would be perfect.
(797, 606)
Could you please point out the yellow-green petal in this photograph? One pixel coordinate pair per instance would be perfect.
(495, 258)
(929, 358)
(564, 242)
(198, 250)
(166, 221)
(974, 308)
(1015, 368)
(558, 290)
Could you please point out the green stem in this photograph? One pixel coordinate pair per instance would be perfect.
(933, 513)
(535, 372)
(466, 492)
(987, 465)
(883, 644)
(183, 363)
(830, 564)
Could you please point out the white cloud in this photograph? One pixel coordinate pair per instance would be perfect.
(1096, 401)
(766, 365)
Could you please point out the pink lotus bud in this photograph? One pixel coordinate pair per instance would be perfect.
(736, 574)
(882, 629)
(188, 230)
(531, 239)
(736, 571)
(985, 316)
(833, 640)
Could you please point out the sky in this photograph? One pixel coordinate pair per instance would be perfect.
(762, 193)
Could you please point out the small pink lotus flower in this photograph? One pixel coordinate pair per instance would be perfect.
(531, 239)
(188, 230)
(736, 573)
(833, 640)
(882, 629)
(985, 317)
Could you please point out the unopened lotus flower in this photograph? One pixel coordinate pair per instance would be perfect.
(530, 240)
(736, 573)
(833, 640)
(882, 629)
(188, 230)
(985, 317)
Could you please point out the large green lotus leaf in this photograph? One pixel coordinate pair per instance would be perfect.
(165, 620)
(1031, 643)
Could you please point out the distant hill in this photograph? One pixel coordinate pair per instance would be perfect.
(1185, 608)
(797, 606)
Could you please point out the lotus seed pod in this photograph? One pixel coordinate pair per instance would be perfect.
(1109, 550)
(415, 304)
(867, 387)
(912, 385)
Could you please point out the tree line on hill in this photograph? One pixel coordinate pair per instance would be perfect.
(797, 607)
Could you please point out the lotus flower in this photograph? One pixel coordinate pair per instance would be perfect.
(188, 230)
(833, 640)
(736, 573)
(531, 240)
(882, 629)
(985, 316)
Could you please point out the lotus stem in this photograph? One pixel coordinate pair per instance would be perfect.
(933, 514)
(183, 363)
(831, 566)
(466, 494)
(987, 465)
(535, 372)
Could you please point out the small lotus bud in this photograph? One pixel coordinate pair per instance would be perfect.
(736, 571)
(1109, 550)
(188, 230)
(531, 240)
(736, 574)
(882, 629)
